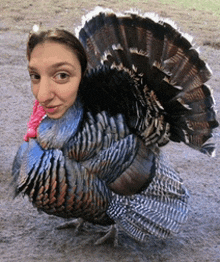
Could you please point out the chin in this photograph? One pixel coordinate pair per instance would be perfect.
(55, 116)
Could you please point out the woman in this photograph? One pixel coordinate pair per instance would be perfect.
(94, 148)
(57, 62)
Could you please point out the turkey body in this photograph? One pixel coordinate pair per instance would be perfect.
(102, 173)
(102, 160)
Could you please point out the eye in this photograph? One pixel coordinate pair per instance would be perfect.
(34, 77)
(62, 77)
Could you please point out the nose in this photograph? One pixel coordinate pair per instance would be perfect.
(45, 91)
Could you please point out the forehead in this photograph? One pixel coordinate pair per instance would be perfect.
(52, 52)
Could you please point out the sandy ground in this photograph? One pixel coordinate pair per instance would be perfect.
(26, 235)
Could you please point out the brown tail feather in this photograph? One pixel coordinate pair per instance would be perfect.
(166, 65)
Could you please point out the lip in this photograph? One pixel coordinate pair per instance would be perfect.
(52, 109)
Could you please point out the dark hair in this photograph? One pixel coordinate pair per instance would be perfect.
(60, 36)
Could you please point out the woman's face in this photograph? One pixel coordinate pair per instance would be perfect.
(55, 73)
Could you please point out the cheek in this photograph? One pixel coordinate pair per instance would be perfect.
(72, 96)
(34, 90)
(69, 93)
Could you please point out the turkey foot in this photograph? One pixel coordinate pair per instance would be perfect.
(76, 223)
(112, 233)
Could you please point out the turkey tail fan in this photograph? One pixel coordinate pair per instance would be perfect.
(163, 72)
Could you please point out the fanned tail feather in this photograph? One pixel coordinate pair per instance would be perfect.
(164, 65)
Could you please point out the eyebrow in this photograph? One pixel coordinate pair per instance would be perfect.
(57, 65)
(61, 64)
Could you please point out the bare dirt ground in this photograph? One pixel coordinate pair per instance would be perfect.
(26, 235)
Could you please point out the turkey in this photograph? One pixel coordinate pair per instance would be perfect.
(102, 161)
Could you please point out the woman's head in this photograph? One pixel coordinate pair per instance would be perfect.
(57, 62)
(59, 36)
